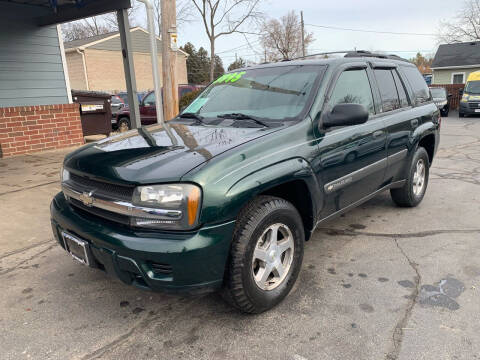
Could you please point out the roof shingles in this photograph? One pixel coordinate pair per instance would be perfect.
(81, 42)
(458, 54)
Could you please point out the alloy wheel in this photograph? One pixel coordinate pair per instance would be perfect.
(419, 177)
(273, 256)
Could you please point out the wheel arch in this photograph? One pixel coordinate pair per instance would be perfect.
(427, 136)
(298, 194)
(292, 180)
(123, 116)
(428, 143)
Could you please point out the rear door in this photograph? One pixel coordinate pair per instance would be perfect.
(401, 124)
(396, 113)
(352, 159)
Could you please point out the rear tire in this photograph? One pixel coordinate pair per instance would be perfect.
(412, 193)
(123, 124)
(266, 255)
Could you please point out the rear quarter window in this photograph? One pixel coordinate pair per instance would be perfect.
(421, 93)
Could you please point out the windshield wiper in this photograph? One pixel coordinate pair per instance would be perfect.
(240, 116)
(190, 115)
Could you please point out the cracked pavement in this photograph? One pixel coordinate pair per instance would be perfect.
(379, 282)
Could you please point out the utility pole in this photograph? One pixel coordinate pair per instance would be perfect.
(303, 33)
(169, 59)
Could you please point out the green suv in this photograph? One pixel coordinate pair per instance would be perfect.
(224, 196)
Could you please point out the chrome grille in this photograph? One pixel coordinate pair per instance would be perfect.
(474, 105)
(113, 191)
(110, 201)
(104, 214)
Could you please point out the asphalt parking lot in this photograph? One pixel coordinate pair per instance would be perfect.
(378, 283)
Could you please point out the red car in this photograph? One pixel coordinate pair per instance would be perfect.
(148, 113)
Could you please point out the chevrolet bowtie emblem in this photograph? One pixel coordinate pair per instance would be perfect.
(87, 198)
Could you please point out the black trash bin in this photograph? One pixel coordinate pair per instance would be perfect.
(95, 111)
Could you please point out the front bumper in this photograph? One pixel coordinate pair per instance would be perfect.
(188, 262)
(469, 108)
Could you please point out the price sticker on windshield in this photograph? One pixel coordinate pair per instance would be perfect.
(230, 78)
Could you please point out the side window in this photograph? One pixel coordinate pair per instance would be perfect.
(458, 78)
(388, 90)
(149, 99)
(353, 87)
(402, 94)
(421, 94)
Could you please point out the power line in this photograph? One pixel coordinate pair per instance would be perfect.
(238, 47)
(369, 31)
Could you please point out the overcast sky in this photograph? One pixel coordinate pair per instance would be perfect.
(411, 16)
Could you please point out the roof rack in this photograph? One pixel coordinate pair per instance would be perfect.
(363, 53)
(356, 53)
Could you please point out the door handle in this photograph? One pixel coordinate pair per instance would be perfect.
(377, 134)
(414, 123)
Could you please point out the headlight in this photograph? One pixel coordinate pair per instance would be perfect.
(176, 206)
(64, 175)
(464, 98)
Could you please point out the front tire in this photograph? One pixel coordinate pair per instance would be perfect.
(461, 115)
(412, 193)
(266, 255)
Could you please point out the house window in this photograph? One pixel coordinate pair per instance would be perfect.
(458, 78)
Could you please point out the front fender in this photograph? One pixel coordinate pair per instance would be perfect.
(267, 178)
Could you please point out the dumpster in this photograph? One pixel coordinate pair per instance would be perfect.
(95, 111)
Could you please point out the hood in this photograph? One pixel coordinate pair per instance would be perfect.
(154, 155)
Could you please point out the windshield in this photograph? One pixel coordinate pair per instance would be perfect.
(438, 93)
(273, 93)
(473, 87)
(116, 100)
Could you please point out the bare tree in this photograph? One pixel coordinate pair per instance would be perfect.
(111, 18)
(225, 17)
(282, 39)
(465, 26)
(85, 28)
(95, 25)
(184, 13)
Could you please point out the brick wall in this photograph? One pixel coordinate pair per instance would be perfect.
(26, 129)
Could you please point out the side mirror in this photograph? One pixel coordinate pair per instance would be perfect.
(460, 92)
(346, 115)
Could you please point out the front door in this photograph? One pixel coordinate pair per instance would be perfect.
(148, 111)
(352, 160)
